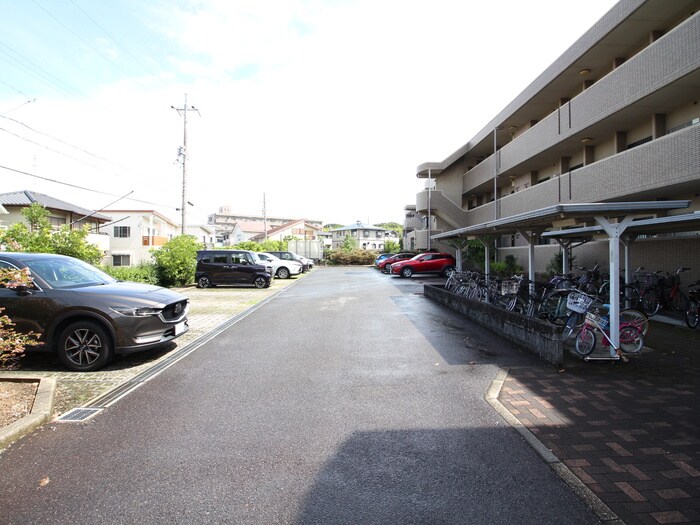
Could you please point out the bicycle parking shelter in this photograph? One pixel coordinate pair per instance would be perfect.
(620, 222)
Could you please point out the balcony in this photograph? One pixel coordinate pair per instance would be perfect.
(153, 240)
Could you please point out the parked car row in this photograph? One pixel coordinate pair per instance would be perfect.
(407, 264)
(229, 267)
(87, 317)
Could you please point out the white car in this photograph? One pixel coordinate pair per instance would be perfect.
(280, 269)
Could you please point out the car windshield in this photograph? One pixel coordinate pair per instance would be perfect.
(68, 273)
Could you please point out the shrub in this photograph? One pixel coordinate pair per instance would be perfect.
(556, 263)
(353, 257)
(11, 343)
(176, 261)
(143, 273)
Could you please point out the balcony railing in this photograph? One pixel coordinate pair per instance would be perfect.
(153, 240)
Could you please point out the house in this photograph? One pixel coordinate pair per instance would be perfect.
(135, 233)
(367, 237)
(615, 119)
(61, 213)
(299, 229)
(203, 233)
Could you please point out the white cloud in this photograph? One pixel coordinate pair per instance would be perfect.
(326, 106)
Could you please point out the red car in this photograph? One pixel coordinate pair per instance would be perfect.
(432, 262)
(385, 264)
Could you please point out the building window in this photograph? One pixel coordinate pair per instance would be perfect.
(57, 222)
(122, 231)
(121, 260)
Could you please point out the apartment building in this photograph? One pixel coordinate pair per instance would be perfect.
(614, 119)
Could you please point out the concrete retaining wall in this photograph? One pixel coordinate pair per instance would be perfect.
(539, 337)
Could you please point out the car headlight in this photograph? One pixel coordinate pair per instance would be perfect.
(136, 312)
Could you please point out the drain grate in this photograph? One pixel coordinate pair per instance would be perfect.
(79, 414)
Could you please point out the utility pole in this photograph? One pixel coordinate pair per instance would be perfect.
(183, 153)
(264, 216)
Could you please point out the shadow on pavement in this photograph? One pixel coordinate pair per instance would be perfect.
(435, 476)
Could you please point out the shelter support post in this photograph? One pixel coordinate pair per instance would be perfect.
(627, 240)
(614, 231)
(531, 237)
(487, 258)
(566, 249)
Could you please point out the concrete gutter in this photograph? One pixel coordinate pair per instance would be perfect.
(40, 413)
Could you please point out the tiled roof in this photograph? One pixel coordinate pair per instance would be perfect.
(27, 198)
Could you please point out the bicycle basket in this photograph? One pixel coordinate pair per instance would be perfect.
(509, 287)
(578, 302)
(601, 321)
(649, 279)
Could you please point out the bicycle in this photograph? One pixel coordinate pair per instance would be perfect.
(692, 309)
(577, 303)
(631, 337)
(666, 293)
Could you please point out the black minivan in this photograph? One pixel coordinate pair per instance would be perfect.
(228, 267)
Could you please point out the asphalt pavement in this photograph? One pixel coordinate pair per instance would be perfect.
(351, 398)
(348, 398)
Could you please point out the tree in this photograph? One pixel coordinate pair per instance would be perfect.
(349, 244)
(176, 260)
(392, 246)
(37, 235)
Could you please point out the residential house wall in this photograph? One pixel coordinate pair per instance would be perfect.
(135, 233)
(367, 237)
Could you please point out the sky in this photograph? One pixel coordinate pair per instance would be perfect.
(315, 109)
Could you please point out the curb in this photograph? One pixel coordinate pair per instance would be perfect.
(601, 510)
(40, 413)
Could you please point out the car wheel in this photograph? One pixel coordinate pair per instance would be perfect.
(84, 346)
(447, 270)
(260, 282)
(203, 282)
(406, 272)
(283, 273)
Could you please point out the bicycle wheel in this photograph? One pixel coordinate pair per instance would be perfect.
(677, 301)
(585, 342)
(692, 313)
(572, 323)
(636, 318)
(650, 301)
(629, 296)
(631, 339)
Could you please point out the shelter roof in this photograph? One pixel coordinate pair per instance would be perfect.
(564, 214)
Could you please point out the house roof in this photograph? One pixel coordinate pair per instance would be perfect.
(288, 225)
(27, 198)
(152, 212)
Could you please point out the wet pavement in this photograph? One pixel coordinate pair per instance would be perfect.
(628, 431)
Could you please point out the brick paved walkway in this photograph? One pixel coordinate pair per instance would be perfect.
(629, 432)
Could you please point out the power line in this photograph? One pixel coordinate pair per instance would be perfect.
(160, 205)
(135, 58)
(42, 75)
(76, 35)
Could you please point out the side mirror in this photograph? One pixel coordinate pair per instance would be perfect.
(23, 290)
